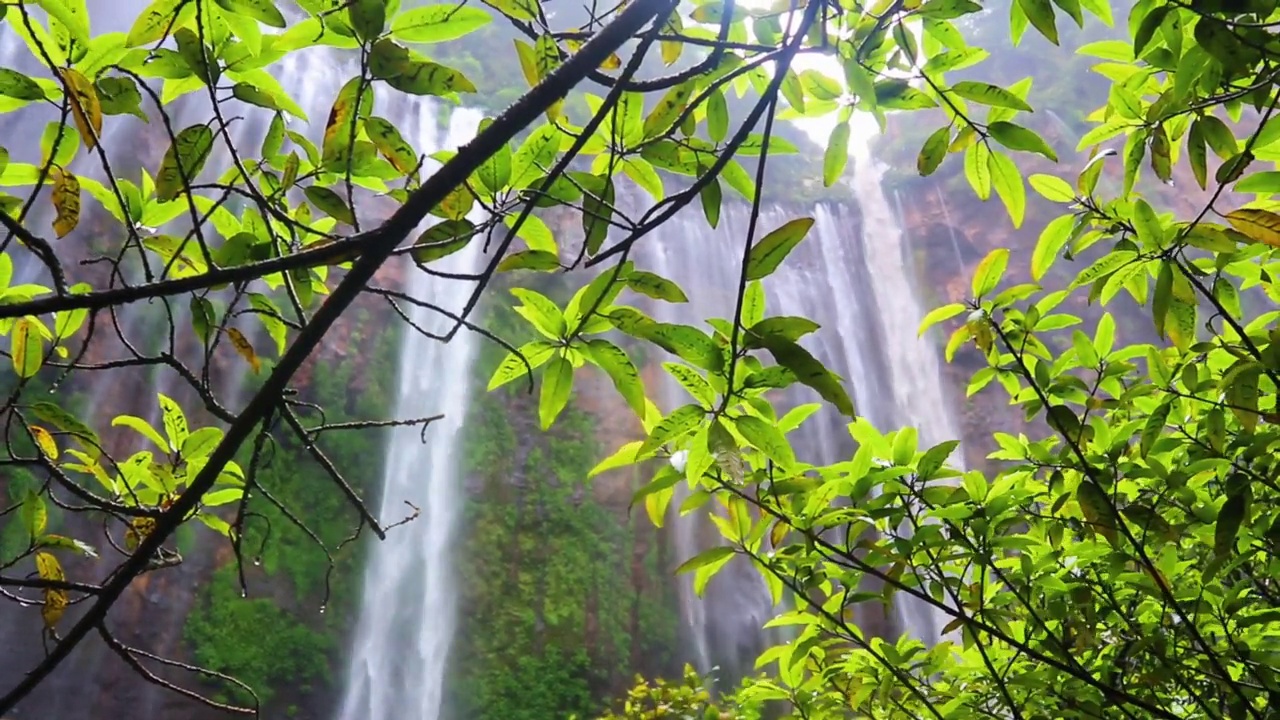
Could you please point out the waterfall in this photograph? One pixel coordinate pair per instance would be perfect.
(854, 275)
(951, 229)
(402, 632)
(408, 614)
(914, 371)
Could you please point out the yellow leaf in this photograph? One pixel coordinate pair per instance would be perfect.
(26, 348)
(138, 531)
(671, 51)
(85, 106)
(45, 440)
(48, 567)
(66, 201)
(55, 604)
(1180, 323)
(1096, 508)
(245, 349)
(1258, 225)
(528, 62)
(55, 601)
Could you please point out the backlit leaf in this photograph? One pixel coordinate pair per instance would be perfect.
(438, 23)
(836, 155)
(988, 94)
(614, 361)
(183, 161)
(1262, 226)
(66, 201)
(26, 347)
(244, 348)
(768, 254)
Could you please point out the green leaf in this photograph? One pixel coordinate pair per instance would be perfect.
(1135, 150)
(535, 156)
(1008, 184)
(715, 557)
(1052, 188)
(1096, 507)
(157, 20)
(597, 214)
(201, 443)
(61, 542)
(988, 94)
(717, 117)
(538, 260)
(988, 273)
(672, 426)
(767, 439)
(977, 169)
(836, 155)
(141, 427)
(557, 385)
(1016, 137)
(655, 286)
(541, 311)
(1154, 426)
(937, 315)
(330, 203)
(711, 199)
(26, 347)
(68, 423)
(514, 364)
(18, 86)
(1180, 323)
(438, 23)
(175, 422)
(35, 515)
(515, 9)
(626, 455)
(899, 95)
(1228, 524)
(768, 254)
(669, 109)
(183, 161)
(807, 369)
(1263, 183)
(1103, 267)
(424, 77)
(443, 239)
(367, 17)
(1040, 13)
(614, 361)
(933, 151)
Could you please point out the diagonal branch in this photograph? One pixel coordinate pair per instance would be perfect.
(380, 245)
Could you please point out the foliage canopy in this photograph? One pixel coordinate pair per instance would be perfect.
(1120, 561)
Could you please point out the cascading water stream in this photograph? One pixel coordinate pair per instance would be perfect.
(854, 276)
(409, 611)
(914, 372)
(403, 631)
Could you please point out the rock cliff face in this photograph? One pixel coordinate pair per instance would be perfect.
(951, 231)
